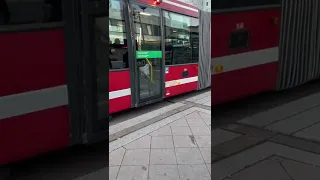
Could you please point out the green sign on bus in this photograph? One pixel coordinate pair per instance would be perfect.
(148, 54)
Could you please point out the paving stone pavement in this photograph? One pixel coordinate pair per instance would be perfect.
(180, 150)
(300, 118)
(282, 143)
(202, 99)
(265, 146)
(122, 125)
(278, 168)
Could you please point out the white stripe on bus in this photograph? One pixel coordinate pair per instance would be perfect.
(180, 5)
(244, 60)
(119, 93)
(181, 81)
(33, 101)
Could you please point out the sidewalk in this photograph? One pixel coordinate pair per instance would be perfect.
(282, 143)
(173, 148)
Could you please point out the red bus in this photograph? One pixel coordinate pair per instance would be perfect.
(57, 58)
(263, 45)
(149, 79)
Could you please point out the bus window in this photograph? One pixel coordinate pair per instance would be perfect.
(181, 39)
(147, 28)
(194, 39)
(118, 52)
(14, 12)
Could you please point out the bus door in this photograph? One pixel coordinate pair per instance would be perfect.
(95, 67)
(148, 72)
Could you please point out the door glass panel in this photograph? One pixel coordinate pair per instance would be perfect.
(148, 51)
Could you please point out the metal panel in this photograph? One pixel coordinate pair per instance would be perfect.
(204, 71)
(299, 43)
(94, 127)
(73, 63)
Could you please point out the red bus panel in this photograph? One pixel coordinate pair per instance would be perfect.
(240, 72)
(181, 79)
(26, 136)
(119, 91)
(34, 116)
(32, 61)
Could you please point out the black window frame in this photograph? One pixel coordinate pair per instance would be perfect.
(164, 37)
(35, 26)
(223, 6)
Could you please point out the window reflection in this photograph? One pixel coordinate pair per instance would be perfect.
(181, 39)
(118, 51)
(147, 28)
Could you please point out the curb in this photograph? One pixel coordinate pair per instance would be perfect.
(148, 122)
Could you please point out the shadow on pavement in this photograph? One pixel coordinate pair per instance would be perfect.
(231, 112)
(63, 165)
